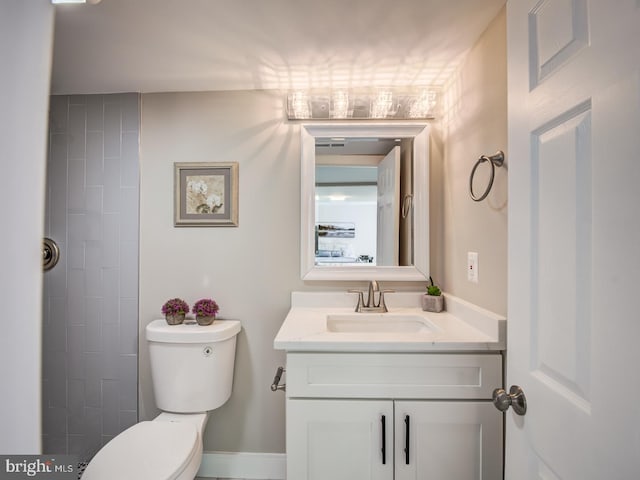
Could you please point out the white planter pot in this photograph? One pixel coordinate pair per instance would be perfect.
(432, 303)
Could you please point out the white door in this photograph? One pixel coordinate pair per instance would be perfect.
(452, 440)
(339, 439)
(388, 245)
(574, 238)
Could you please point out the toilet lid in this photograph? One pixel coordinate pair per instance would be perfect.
(147, 450)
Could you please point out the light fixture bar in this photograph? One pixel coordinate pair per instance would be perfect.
(392, 103)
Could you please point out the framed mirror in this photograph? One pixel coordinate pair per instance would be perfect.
(364, 201)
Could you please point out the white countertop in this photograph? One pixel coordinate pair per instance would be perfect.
(461, 327)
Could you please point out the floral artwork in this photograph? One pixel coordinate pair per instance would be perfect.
(206, 194)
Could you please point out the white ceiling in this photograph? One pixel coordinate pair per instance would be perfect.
(194, 45)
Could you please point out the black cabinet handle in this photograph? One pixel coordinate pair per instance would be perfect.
(406, 439)
(383, 421)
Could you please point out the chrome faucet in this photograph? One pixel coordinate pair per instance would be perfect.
(371, 305)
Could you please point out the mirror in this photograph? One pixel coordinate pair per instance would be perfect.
(363, 202)
(358, 211)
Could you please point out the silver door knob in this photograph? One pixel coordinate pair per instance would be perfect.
(50, 254)
(515, 398)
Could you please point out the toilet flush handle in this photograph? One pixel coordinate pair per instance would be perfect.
(275, 386)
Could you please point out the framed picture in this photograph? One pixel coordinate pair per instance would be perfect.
(206, 194)
(336, 229)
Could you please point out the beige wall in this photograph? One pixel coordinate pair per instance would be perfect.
(249, 270)
(252, 269)
(474, 123)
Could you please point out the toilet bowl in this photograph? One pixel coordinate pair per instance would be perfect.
(192, 373)
(161, 449)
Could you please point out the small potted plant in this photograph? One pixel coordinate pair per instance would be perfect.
(433, 301)
(174, 311)
(205, 310)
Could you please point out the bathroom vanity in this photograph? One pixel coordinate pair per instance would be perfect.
(400, 395)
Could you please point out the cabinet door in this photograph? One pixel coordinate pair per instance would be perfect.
(339, 439)
(453, 440)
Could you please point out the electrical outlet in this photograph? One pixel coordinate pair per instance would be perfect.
(472, 267)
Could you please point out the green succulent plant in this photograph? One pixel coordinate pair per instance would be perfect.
(433, 289)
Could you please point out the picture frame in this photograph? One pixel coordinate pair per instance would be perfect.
(206, 194)
(336, 229)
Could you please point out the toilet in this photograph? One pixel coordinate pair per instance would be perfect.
(192, 374)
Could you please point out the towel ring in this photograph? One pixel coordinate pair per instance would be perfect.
(495, 160)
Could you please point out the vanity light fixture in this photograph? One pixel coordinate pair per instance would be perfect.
(298, 104)
(390, 103)
(382, 104)
(340, 104)
(424, 104)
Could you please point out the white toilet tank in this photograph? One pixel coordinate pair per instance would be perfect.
(192, 365)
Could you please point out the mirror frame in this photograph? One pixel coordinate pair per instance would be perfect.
(420, 134)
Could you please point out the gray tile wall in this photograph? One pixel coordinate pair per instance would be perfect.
(90, 353)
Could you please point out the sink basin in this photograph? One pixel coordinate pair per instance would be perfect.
(378, 323)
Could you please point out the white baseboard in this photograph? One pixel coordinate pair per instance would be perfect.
(245, 465)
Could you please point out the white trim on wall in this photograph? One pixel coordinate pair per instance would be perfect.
(245, 465)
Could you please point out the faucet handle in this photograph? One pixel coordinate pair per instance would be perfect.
(381, 303)
(360, 299)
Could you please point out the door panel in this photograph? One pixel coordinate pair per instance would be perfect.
(558, 30)
(574, 232)
(561, 249)
(388, 224)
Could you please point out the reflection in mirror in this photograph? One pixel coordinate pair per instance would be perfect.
(360, 186)
(363, 186)
(345, 230)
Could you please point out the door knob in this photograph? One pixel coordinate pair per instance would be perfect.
(50, 254)
(515, 398)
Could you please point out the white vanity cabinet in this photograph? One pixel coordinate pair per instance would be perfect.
(392, 416)
(448, 440)
(339, 439)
